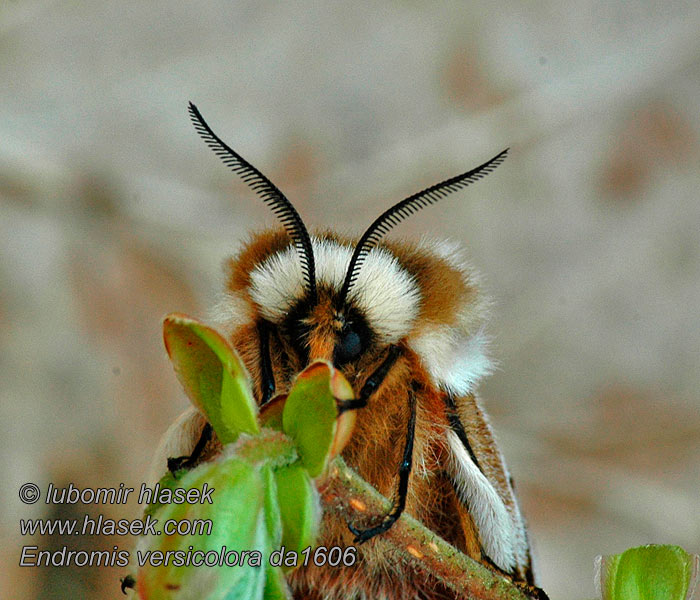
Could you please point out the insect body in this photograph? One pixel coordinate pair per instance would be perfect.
(405, 324)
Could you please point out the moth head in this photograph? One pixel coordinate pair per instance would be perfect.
(332, 297)
(379, 310)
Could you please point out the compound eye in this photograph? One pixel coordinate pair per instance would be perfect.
(349, 346)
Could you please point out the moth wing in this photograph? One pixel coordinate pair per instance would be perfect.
(482, 482)
(179, 440)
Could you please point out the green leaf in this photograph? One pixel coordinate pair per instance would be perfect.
(648, 573)
(276, 587)
(273, 516)
(264, 494)
(238, 523)
(275, 584)
(262, 499)
(310, 414)
(299, 507)
(269, 447)
(271, 412)
(168, 481)
(212, 375)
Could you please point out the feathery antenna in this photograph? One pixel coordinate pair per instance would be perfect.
(268, 192)
(397, 213)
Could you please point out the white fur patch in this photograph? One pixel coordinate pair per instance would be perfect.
(491, 517)
(455, 360)
(455, 354)
(386, 294)
(448, 250)
(230, 312)
(179, 440)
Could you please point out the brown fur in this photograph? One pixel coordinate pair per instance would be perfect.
(376, 447)
(441, 285)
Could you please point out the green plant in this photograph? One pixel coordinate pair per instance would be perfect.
(264, 497)
(652, 572)
(275, 465)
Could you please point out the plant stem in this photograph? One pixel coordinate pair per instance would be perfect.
(345, 494)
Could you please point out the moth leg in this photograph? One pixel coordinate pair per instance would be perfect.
(187, 462)
(267, 379)
(127, 582)
(458, 428)
(373, 382)
(345, 405)
(404, 471)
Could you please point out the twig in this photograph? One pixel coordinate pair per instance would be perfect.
(348, 496)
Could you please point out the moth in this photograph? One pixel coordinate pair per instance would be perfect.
(405, 323)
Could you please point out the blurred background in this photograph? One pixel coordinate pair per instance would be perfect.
(113, 213)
